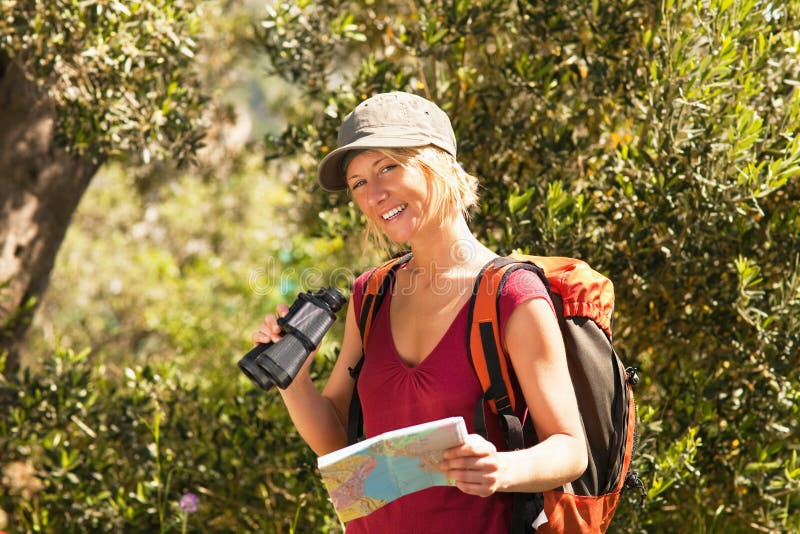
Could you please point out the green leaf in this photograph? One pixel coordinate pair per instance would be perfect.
(518, 202)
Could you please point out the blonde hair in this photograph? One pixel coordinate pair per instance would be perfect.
(451, 189)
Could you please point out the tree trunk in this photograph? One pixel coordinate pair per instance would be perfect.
(40, 187)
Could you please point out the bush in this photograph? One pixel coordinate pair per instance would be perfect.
(86, 453)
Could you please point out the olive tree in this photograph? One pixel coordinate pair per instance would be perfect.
(81, 83)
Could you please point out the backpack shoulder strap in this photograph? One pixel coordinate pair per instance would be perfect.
(375, 289)
(491, 366)
(378, 283)
(483, 336)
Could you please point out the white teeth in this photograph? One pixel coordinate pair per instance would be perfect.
(393, 212)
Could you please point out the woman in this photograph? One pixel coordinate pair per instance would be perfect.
(396, 156)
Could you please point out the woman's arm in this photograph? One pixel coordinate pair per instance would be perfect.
(537, 354)
(320, 418)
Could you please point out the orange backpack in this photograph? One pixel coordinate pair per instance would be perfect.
(584, 302)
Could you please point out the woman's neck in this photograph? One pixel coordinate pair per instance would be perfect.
(448, 249)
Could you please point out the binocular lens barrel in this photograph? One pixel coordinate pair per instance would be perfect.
(249, 366)
(309, 318)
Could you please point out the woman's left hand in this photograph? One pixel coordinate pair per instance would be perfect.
(475, 467)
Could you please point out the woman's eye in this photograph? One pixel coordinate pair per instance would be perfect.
(357, 184)
(387, 168)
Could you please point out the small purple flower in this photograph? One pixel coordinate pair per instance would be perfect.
(189, 503)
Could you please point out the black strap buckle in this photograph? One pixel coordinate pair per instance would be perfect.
(633, 481)
(633, 375)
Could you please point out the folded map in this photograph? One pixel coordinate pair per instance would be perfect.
(369, 474)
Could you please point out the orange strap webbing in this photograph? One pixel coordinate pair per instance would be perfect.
(377, 285)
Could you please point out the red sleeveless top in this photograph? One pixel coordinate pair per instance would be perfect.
(444, 384)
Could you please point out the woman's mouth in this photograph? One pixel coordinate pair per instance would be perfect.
(394, 212)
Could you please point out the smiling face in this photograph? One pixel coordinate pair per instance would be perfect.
(393, 196)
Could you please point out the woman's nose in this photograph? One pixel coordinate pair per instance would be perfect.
(376, 193)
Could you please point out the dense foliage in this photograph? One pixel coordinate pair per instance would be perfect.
(120, 453)
(110, 440)
(656, 141)
(120, 74)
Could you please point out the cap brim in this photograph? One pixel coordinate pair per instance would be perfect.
(330, 174)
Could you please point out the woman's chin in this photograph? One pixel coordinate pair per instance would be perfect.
(398, 230)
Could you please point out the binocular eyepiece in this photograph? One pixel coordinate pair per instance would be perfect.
(309, 318)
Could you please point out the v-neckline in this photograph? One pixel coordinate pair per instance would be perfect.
(401, 358)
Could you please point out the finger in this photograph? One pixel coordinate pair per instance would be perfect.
(271, 321)
(474, 445)
(258, 339)
(271, 327)
(472, 464)
(473, 481)
(471, 488)
(470, 477)
(268, 331)
(479, 445)
(261, 336)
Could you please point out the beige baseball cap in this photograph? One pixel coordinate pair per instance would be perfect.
(387, 120)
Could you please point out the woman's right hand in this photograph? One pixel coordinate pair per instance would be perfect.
(320, 417)
(269, 331)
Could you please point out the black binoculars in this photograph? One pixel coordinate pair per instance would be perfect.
(309, 318)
